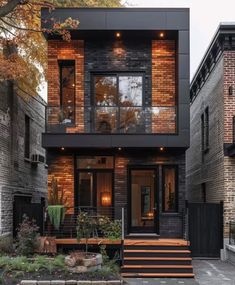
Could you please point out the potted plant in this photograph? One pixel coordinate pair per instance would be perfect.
(56, 207)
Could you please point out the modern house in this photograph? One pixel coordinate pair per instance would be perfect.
(22, 173)
(118, 118)
(210, 158)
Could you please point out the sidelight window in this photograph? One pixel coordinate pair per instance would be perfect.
(169, 189)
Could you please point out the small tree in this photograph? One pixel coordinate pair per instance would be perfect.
(27, 237)
(85, 227)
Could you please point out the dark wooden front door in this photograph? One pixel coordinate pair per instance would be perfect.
(205, 229)
(143, 200)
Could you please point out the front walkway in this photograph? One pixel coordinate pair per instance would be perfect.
(214, 272)
(207, 272)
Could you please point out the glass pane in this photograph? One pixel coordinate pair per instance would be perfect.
(132, 120)
(85, 189)
(142, 198)
(95, 162)
(105, 90)
(106, 119)
(169, 189)
(104, 193)
(66, 114)
(131, 90)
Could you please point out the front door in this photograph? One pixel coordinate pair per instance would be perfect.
(143, 201)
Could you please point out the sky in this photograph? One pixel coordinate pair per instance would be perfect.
(205, 16)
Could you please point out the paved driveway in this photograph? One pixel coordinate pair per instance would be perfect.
(214, 272)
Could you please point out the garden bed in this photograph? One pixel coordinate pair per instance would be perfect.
(41, 268)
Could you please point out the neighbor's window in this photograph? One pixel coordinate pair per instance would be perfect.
(169, 189)
(234, 129)
(118, 103)
(205, 131)
(207, 128)
(66, 113)
(27, 137)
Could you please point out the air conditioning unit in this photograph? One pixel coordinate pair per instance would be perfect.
(37, 158)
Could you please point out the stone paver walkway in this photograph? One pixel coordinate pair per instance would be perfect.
(208, 272)
(214, 272)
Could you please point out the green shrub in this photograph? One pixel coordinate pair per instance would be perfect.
(27, 237)
(111, 230)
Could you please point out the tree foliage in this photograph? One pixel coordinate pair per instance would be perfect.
(22, 45)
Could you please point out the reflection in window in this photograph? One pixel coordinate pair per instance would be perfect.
(106, 90)
(132, 120)
(123, 92)
(169, 189)
(95, 162)
(67, 92)
(130, 90)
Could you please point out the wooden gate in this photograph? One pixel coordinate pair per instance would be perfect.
(205, 229)
(33, 211)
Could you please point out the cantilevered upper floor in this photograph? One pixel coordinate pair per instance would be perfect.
(122, 80)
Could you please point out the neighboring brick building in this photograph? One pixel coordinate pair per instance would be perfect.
(22, 120)
(210, 161)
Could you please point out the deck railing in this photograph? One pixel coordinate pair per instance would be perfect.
(68, 226)
(111, 119)
(232, 233)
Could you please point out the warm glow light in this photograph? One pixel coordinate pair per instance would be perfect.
(62, 148)
(161, 148)
(105, 199)
(161, 35)
(150, 214)
(119, 148)
(118, 35)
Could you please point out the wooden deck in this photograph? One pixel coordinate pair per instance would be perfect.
(91, 241)
(128, 242)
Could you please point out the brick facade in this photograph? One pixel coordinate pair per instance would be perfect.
(18, 177)
(216, 169)
(61, 166)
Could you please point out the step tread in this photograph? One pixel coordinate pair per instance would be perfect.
(157, 250)
(157, 242)
(157, 266)
(159, 258)
(180, 275)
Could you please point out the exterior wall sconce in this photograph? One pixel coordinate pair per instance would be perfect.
(105, 199)
(230, 90)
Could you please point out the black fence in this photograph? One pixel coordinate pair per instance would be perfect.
(232, 233)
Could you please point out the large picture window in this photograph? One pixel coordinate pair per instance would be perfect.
(169, 189)
(118, 101)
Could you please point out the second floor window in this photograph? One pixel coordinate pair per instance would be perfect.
(67, 92)
(205, 130)
(118, 100)
(27, 137)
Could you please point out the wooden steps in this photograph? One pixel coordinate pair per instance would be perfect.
(157, 258)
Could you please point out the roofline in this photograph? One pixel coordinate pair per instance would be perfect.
(224, 28)
(129, 9)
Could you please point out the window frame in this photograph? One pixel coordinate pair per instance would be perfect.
(176, 208)
(118, 106)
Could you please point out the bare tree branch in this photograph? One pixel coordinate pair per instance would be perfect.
(9, 7)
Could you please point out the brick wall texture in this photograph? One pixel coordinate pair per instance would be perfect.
(18, 176)
(217, 170)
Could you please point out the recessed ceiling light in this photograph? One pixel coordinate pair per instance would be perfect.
(62, 148)
(161, 148)
(161, 35)
(118, 34)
